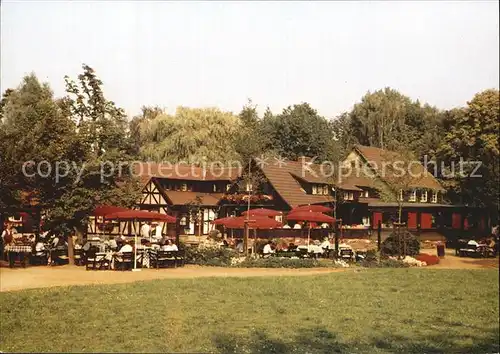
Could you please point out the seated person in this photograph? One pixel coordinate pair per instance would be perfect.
(326, 243)
(113, 244)
(39, 248)
(268, 249)
(86, 246)
(292, 247)
(127, 247)
(239, 246)
(169, 246)
(473, 243)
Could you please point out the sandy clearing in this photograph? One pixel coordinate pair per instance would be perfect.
(44, 276)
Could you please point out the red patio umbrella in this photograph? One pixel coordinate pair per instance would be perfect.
(262, 212)
(254, 222)
(103, 210)
(141, 215)
(222, 221)
(310, 216)
(314, 208)
(134, 215)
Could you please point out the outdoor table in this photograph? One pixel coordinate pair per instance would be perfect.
(17, 250)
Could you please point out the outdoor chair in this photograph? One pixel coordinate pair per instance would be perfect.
(346, 254)
(302, 253)
(39, 258)
(95, 260)
(78, 256)
(124, 260)
(461, 249)
(60, 256)
(470, 251)
(180, 258)
(164, 258)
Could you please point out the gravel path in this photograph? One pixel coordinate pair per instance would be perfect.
(44, 276)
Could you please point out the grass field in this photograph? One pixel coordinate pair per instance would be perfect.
(380, 310)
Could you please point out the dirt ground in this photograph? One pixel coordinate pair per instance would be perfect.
(44, 276)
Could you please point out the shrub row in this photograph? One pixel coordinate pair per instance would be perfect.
(274, 262)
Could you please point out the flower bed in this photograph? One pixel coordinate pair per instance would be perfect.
(427, 258)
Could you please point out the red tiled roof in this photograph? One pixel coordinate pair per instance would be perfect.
(183, 198)
(147, 170)
(353, 182)
(380, 156)
(283, 179)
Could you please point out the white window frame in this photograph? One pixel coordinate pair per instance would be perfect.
(184, 187)
(424, 196)
(413, 196)
(314, 189)
(325, 189)
(350, 196)
(434, 197)
(401, 195)
(366, 194)
(228, 187)
(249, 187)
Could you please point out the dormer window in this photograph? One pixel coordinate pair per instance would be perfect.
(249, 187)
(349, 196)
(423, 197)
(413, 196)
(434, 197)
(314, 189)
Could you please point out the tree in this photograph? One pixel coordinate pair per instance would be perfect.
(74, 155)
(148, 113)
(252, 140)
(472, 136)
(100, 123)
(389, 120)
(193, 135)
(298, 131)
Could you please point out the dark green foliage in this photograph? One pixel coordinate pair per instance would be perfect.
(472, 135)
(210, 256)
(400, 243)
(299, 131)
(277, 262)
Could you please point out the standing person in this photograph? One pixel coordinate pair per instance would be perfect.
(146, 231)
(157, 232)
(7, 239)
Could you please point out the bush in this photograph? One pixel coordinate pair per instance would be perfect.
(210, 256)
(275, 262)
(394, 244)
(427, 258)
(383, 263)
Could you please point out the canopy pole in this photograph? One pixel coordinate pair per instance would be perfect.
(308, 235)
(135, 248)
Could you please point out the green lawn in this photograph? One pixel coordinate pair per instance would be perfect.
(377, 310)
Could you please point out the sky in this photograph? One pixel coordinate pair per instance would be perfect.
(220, 54)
